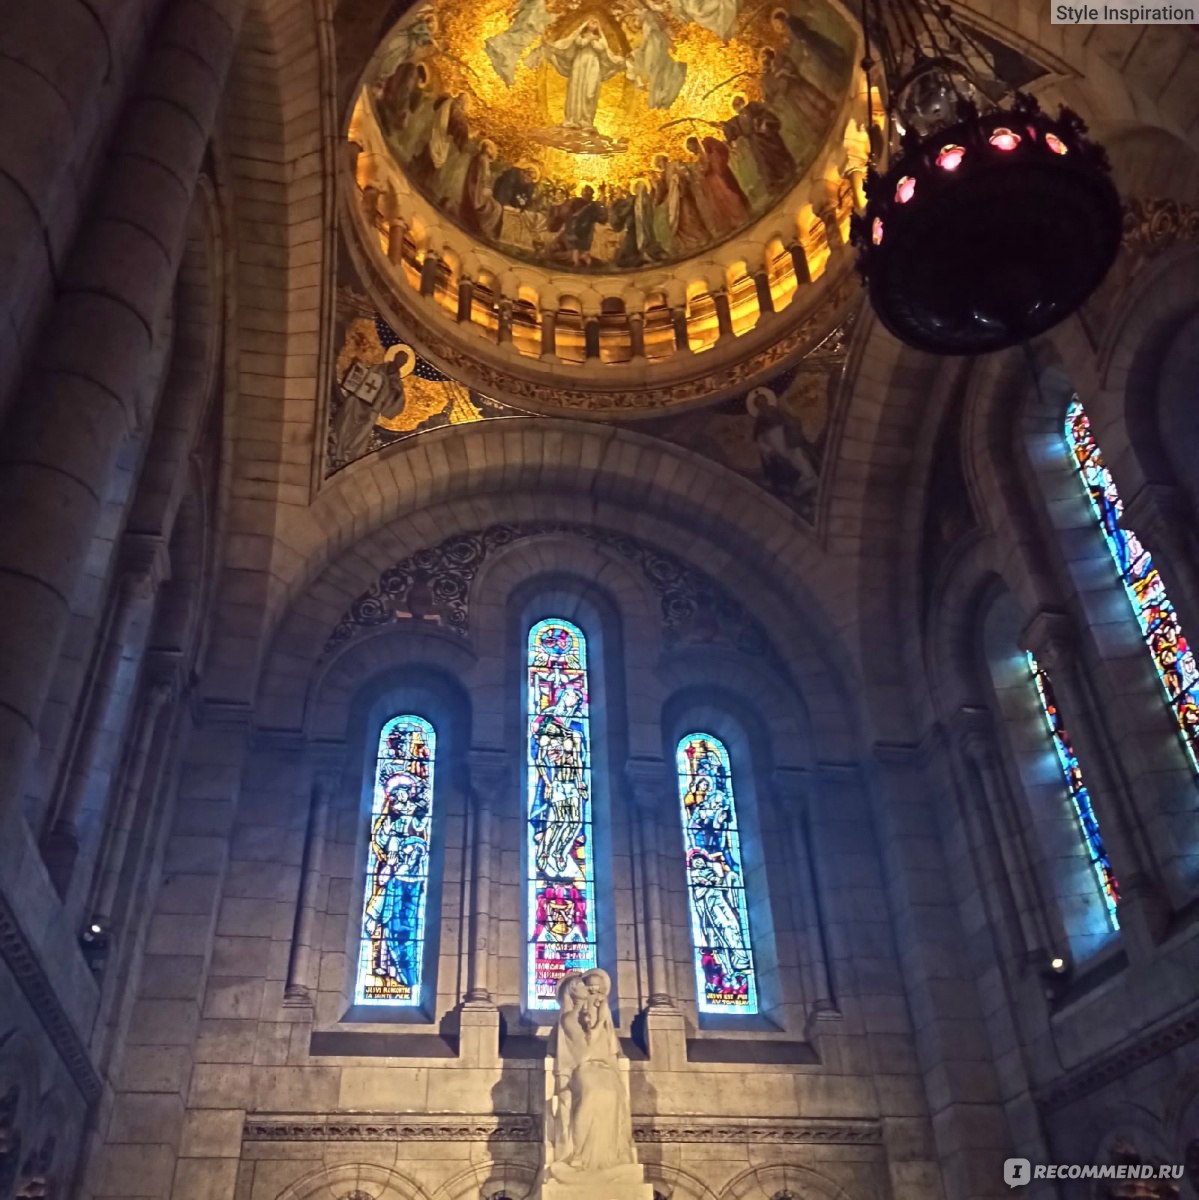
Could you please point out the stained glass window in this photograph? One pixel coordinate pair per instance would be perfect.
(1172, 654)
(721, 948)
(561, 875)
(397, 865)
(1088, 823)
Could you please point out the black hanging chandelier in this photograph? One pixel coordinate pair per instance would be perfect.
(986, 222)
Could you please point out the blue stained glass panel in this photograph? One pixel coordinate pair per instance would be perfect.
(392, 951)
(1088, 823)
(560, 847)
(1172, 653)
(721, 946)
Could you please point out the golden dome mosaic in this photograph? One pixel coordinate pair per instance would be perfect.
(608, 135)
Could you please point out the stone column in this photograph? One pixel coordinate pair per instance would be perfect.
(549, 333)
(762, 285)
(1162, 518)
(397, 230)
(112, 860)
(591, 337)
(999, 838)
(83, 800)
(1145, 897)
(71, 63)
(724, 314)
(637, 334)
(428, 274)
(466, 292)
(799, 260)
(504, 332)
(490, 780)
(651, 789)
(60, 448)
(793, 804)
(304, 962)
(678, 318)
(832, 228)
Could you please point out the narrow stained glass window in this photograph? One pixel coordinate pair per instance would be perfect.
(723, 954)
(1172, 654)
(397, 868)
(561, 874)
(1088, 823)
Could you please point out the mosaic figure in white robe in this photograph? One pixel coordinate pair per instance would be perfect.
(508, 48)
(650, 65)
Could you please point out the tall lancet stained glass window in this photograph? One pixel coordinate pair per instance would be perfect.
(560, 849)
(1172, 654)
(721, 947)
(1088, 823)
(391, 956)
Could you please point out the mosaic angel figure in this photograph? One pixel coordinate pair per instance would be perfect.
(506, 49)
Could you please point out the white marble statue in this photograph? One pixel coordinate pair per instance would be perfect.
(589, 1132)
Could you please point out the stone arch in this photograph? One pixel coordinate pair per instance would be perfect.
(783, 1180)
(780, 569)
(674, 1183)
(726, 690)
(358, 665)
(877, 437)
(1144, 399)
(1055, 560)
(340, 1182)
(951, 646)
(487, 1179)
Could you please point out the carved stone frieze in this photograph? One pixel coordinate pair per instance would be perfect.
(23, 962)
(1090, 1077)
(605, 397)
(434, 585)
(483, 1127)
(1152, 224)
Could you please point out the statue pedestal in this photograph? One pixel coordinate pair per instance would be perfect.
(619, 1183)
(560, 1181)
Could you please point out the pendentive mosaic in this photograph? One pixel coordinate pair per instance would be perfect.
(433, 585)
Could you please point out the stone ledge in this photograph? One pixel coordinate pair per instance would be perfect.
(484, 1127)
(1098, 1072)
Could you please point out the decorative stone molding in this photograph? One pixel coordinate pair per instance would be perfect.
(619, 389)
(757, 1131)
(1152, 224)
(377, 1127)
(23, 962)
(434, 585)
(483, 1127)
(1090, 1077)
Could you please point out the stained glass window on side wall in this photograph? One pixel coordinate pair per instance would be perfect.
(721, 947)
(1080, 798)
(391, 957)
(1172, 654)
(560, 848)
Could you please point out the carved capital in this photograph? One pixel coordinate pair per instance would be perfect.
(489, 772)
(1160, 514)
(651, 782)
(143, 563)
(792, 787)
(1052, 637)
(972, 732)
